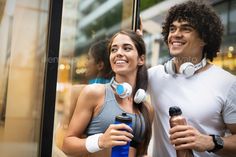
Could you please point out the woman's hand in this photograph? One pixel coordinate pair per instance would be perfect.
(115, 135)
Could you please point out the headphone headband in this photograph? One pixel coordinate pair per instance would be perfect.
(187, 68)
(201, 64)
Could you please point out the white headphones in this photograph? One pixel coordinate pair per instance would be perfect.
(187, 69)
(125, 89)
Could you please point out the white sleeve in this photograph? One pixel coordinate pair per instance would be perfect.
(153, 72)
(229, 109)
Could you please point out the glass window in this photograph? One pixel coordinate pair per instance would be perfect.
(232, 19)
(83, 24)
(23, 36)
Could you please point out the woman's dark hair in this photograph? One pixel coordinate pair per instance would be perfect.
(141, 82)
(100, 53)
(203, 18)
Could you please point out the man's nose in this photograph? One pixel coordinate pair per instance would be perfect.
(177, 32)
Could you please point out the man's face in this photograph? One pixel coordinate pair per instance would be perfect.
(184, 40)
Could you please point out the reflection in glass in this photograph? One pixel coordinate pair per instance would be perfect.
(23, 32)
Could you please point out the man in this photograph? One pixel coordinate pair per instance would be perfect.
(205, 93)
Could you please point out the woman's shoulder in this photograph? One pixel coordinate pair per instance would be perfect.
(94, 90)
(91, 95)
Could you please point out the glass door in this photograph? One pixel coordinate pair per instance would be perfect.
(84, 23)
(23, 43)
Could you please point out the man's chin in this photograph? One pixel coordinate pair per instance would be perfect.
(175, 54)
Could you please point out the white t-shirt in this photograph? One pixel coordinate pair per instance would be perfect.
(207, 100)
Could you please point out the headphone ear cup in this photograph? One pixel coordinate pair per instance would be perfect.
(187, 69)
(140, 96)
(124, 90)
(169, 67)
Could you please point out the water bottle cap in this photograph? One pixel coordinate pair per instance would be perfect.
(174, 111)
(124, 118)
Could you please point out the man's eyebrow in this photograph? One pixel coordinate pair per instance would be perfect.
(187, 25)
(182, 25)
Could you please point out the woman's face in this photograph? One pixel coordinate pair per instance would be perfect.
(124, 57)
(91, 67)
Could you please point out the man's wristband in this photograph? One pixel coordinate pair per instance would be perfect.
(91, 143)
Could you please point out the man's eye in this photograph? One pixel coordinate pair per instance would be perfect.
(187, 29)
(172, 29)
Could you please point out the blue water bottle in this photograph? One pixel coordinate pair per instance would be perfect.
(122, 151)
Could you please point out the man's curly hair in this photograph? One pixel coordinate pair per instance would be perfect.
(203, 18)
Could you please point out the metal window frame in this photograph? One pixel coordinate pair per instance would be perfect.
(50, 79)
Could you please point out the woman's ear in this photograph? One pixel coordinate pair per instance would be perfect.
(141, 60)
(100, 65)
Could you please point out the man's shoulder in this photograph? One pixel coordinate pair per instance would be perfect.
(155, 73)
(221, 77)
(156, 68)
(222, 72)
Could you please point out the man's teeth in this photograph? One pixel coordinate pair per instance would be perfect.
(177, 44)
(120, 62)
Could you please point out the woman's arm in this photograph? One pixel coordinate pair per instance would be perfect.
(90, 98)
(74, 143)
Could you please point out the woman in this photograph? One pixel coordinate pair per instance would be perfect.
(98, 68)
(98, 104)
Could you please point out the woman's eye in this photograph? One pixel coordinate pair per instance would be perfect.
(113, 50)
(127, 48)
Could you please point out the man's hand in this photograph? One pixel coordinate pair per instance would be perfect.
(140, 30)
(187, 137)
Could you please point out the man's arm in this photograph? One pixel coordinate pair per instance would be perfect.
(187, 137)
(229, 142)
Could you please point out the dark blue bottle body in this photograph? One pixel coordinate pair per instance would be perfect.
(122, 151)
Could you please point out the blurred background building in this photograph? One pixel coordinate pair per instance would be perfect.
(157, 50)
(24, 41)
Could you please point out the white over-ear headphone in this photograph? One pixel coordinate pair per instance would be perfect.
(125, 89)
(187, 69)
